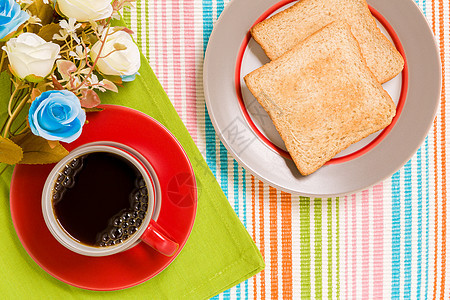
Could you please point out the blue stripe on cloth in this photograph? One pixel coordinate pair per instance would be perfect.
(427, 205)
(419, 222)
(207, 22)
(224, 169)
(236, 207)
(396, 236)
(408, 230)
(420, 204)
(224, 184)
(420, 196)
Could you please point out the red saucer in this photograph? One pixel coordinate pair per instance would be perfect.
(134, 266)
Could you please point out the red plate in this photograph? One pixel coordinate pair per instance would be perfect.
(134, 266)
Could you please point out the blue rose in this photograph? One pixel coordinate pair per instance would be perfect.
(11, 17)
(57, 116)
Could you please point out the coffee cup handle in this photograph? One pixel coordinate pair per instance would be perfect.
(155, 237)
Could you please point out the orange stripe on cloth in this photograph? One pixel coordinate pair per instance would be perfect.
(255, 290)
(436, 211)
(286, 244)
(442, 25)
(435, 167)
(273, 203)
(262, 244)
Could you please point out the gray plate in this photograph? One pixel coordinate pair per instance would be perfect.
(422, 101)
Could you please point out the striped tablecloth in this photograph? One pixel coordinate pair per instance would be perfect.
(386, 242)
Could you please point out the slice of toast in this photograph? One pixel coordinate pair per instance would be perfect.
(284, 30)
(321, 96)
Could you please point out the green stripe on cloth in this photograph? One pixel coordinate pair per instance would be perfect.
(139, 23)
(147, 25)
(218, 255)
(338, 292)
(305, 247)
(127, 16)
(318, 248)
(330, 246)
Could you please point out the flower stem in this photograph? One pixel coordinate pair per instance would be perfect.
(98, 56)
(12, 104)
(64, 45)
(71, 42)
(115, 50)
(14, 115)
(2, 59)
(64, 51)
(11, 99)
(27, 6)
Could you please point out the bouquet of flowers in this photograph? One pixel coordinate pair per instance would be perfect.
(57, 55)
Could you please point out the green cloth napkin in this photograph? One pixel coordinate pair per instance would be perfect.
(218, 254)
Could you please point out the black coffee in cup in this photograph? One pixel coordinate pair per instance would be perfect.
(100, 199)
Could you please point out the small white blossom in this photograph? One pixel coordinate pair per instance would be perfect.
(75, 81)
(85, 71)
(60, 37)
(93, 79)
(98, 28)
(68, 29)
(100, 88)
(34, 19)
(79, 53)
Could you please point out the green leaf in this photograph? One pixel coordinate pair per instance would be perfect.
(43, 11)
(4, 67)
(113, 78)
(10, 153)
(48, 31)
(36, 150)
(89, 39)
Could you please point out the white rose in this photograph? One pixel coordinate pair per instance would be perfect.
(112, 60)
(29, 54)
(85, 10)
